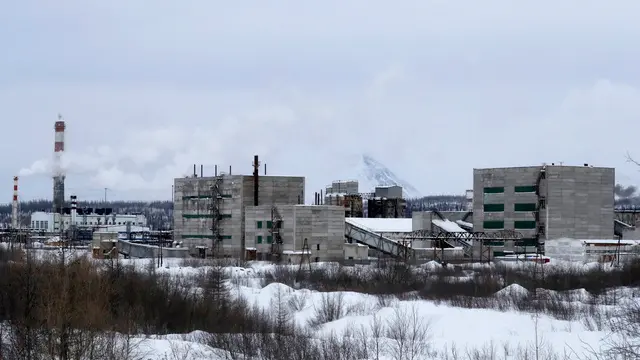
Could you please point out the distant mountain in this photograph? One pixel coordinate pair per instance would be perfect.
(371, 173)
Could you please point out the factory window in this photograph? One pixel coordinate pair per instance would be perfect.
(226, 237)
(33, 224)
(525, 189)
(524, 207)
(225, 216)
(259, 225)
(269, 225)
(524, 224)
(494, 190)
(318, 247)
(38, 224)
(259, 239)
(527, 242)
(493, 224)
(493, 207)
(269, 239)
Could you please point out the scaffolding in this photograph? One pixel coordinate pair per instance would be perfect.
(216, 216)
(276, 236)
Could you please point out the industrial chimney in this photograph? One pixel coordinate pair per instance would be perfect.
(14, 204)
(58, 172)
(74, 210)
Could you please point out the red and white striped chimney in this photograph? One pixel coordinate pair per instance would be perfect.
(59, 139)
(58, 173)
(14, 204)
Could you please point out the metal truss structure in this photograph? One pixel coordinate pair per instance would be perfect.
(216, 216)
(276, 236)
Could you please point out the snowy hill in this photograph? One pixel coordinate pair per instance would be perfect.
(371, 173)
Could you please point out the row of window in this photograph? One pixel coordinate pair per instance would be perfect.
(259, 239)
(185, 236)
(269, 224)
(518, 224)
(204, 216)
(518, 189)
(516, 207)
(44, 224)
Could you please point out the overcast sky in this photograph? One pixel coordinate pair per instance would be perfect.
(432, 89)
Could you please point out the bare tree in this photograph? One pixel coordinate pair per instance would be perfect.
(624, 343)
(409, 333)
(377, 328)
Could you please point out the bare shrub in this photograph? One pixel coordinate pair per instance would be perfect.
(331, 308)
(298, 301)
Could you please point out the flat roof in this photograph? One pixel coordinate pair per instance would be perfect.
(540, 166)
(382, 225)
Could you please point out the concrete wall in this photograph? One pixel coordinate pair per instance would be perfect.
(348, 187)
(192, 201)
(321, 225)
(356, 251)
(389, 192)
(579, 200)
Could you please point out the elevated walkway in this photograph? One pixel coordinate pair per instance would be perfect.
(145, 251)
(360, 234)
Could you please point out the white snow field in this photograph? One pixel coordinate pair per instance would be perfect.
(405, 327)
(441, 331)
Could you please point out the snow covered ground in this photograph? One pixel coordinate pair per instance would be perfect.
(446, 330)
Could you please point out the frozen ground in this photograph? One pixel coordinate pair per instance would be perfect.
(444, 329)
(505, 334)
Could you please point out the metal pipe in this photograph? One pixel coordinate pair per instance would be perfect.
(201, 170)
(216, 170)
(229, 169)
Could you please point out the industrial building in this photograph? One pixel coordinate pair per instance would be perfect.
(545, 202)
(208, 208)
(321, 225)
(87, 217)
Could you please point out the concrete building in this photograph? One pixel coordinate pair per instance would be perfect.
(343, 187)
(44, 221)
(195, 204)
(388, 192)
(548, 201)
(322, 226)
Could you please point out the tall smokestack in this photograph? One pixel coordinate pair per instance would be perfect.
(74, 210)
(58, 173)
(256, 187)
(14, 204)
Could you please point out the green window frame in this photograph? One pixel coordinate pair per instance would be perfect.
(269, 239)
(494, 190)
(524, 224)
(527, 242)
(259, 225)
(226, 237)
(493, 207)
(269, 224)
(225, 216)
(259, 239)
(197, 216)
(525, 207)
(525, 189)
(493, 224)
